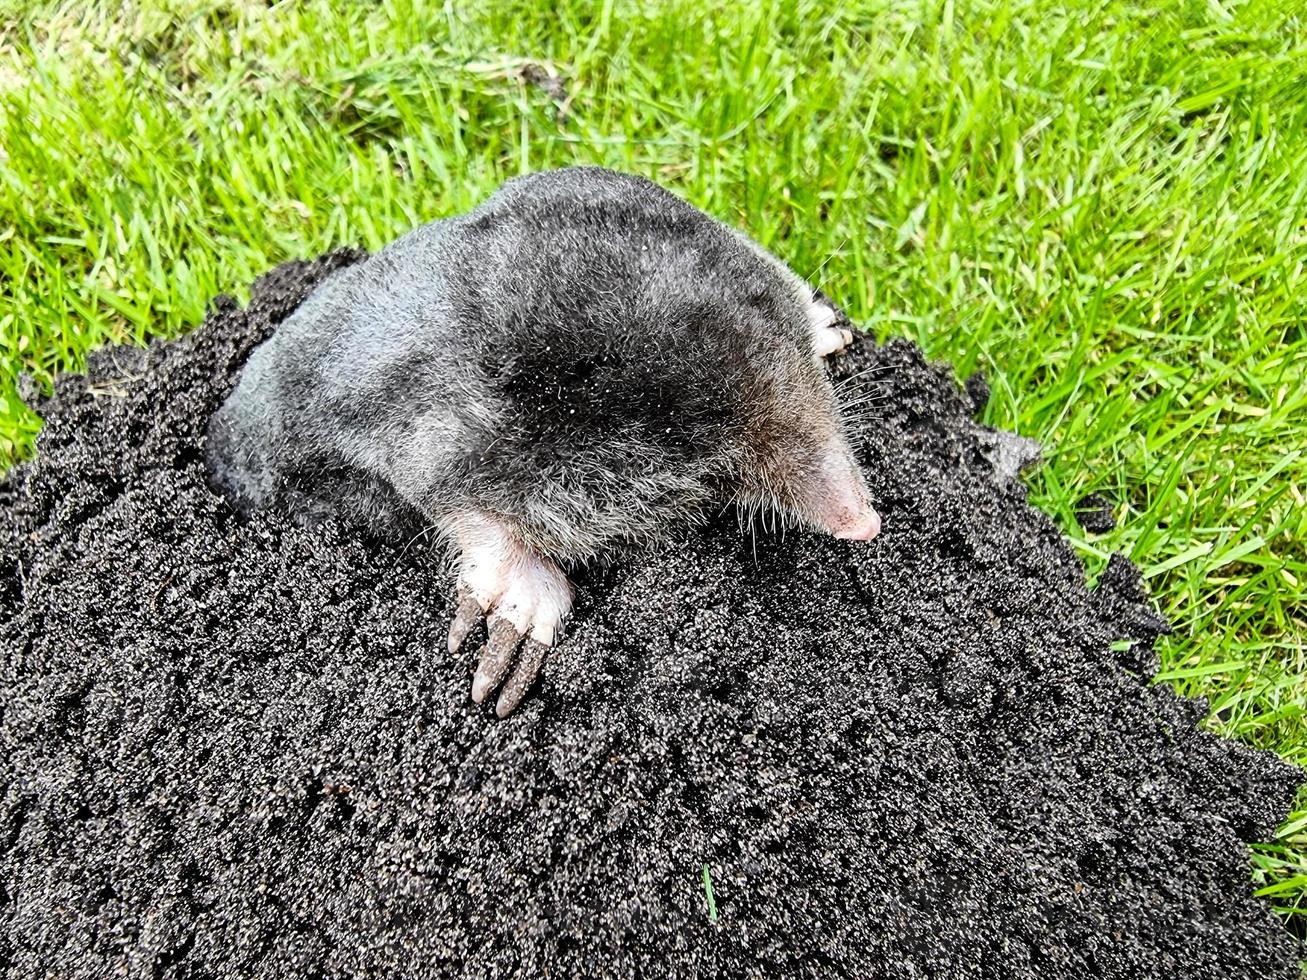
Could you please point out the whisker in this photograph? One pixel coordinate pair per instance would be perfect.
(408, 544)
(875, 369)
(812, 276)
(865, 395)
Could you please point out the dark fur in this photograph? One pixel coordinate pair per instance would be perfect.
(584, 355)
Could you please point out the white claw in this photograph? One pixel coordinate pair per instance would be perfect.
(829, 340)
(480, 686)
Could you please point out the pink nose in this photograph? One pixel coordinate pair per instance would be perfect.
(860, 527)
(837, 499)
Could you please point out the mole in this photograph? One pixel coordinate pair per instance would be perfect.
(577, 366)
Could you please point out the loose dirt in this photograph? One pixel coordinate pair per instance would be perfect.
(235, 748)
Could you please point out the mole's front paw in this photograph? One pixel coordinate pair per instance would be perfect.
(827, 338)
(526, 598)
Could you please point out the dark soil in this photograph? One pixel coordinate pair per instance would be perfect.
(239, 749)
(1094, 514)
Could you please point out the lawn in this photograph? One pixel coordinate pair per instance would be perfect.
(1104, 206)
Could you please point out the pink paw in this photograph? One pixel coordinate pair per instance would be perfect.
(525, 596)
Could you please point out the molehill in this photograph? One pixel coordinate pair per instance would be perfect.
(238, 748)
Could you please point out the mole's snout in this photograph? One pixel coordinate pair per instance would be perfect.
(860, 527)
(839, 500)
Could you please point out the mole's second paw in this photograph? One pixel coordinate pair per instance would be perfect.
(526, 598)
(827, 338)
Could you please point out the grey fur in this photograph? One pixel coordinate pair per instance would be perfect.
(584, 356)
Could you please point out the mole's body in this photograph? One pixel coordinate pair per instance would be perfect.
(580, 363)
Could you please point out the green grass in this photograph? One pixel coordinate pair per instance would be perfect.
(1104, 205)
(707, 894)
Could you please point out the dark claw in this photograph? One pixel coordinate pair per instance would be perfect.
(496, 656)
(524, 675)
(467, 616)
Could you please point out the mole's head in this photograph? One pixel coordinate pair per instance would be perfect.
(797, 455)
